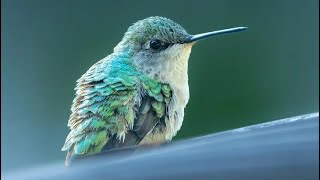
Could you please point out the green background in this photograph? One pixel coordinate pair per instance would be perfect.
(268, 72)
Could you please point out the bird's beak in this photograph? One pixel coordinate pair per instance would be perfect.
(197, 37)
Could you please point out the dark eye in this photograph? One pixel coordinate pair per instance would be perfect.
(155, 44)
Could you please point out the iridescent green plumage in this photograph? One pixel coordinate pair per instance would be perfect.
(108, 99)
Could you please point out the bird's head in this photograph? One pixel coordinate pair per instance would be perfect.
(158, 46)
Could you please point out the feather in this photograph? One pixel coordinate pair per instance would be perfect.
(112, 110)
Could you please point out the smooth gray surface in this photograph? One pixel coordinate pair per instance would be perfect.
(283, 149)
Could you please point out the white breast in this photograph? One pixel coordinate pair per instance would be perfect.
(174, 72)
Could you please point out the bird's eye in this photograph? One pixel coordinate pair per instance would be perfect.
(155, 44)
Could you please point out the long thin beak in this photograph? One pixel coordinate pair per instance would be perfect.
(197, 37)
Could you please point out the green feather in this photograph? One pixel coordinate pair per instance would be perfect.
(106, 91)
(153, 84)
(120, 88)
(159, 97)
(98, 148)
(167, 100)
(116, 85)
(122, 109)
(100, 138)
(83, 145)
(145, 86)
(96, 123)
(166, 90)
(158, 107)
(94, 139)
(156, 89)
(114, 103)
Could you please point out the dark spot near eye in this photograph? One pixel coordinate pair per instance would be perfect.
(171, 30)
(156, 75)
(148, 71)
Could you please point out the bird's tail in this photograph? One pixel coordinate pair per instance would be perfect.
(68, 159)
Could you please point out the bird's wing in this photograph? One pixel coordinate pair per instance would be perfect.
(150, 113)
(114, 106)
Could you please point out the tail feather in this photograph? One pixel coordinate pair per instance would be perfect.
(68, 158)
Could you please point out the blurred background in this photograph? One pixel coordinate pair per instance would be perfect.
(266, 73)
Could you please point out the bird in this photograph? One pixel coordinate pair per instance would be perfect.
(136, 95)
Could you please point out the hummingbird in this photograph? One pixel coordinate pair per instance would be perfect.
(137, 94)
